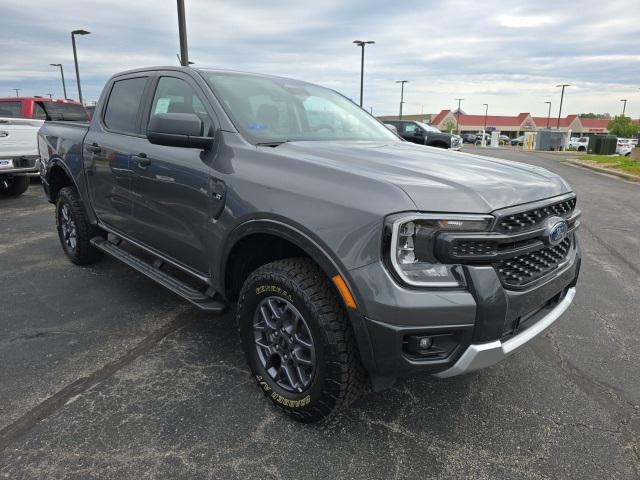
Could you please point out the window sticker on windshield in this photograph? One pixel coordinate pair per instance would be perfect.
(257, 126)
(163, 105)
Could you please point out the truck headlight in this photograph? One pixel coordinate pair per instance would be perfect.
(412, 247)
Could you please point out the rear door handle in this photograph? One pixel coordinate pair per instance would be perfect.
(94, 148)
(142, 160)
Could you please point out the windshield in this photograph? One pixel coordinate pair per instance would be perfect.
(428, 128)
(275, 110)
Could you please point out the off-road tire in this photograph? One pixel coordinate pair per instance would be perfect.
(17, 185)
(339, 376)
(83, 253)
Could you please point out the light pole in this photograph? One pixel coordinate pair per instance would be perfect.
(401, 82)
(458, 116)
(75, 58)
(548, 114)
(50, 95)
(486, 111)
(361, 43)
(17, 90)
(64, 87)
(182, 32)
(563, 85)
(624, 105)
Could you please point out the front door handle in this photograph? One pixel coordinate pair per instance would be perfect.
(94, 148)
(142, 160)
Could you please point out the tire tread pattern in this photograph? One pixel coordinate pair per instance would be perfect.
(345, 377)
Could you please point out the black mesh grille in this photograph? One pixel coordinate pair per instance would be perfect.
(524, 269)
(530, 219)
(463, 248)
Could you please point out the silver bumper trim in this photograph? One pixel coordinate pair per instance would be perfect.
(482, 355)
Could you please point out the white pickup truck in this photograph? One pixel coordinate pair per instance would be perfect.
(18, 153)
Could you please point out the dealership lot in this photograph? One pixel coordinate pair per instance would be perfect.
(105, 374)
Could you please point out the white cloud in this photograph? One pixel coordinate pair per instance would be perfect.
(505, 53)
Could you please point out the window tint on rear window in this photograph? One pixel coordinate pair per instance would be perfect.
(11, 109)
(122, 108)
(69, 112)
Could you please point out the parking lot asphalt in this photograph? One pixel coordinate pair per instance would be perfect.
(105, 374)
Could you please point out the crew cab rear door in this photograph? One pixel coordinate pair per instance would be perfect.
(176, 193)
(114, 137)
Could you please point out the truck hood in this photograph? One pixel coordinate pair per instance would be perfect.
(436, 179)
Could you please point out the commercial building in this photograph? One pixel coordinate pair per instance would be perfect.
(512, 126)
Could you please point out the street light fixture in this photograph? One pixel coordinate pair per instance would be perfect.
(362, 43)
(486, 111)
(64, 87)
(563, 85)
(624, 105)
(75, 58)
(549, 113)
(401, 82)
(458, 116)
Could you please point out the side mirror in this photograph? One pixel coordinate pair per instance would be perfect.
(177, 130)
(418, 133)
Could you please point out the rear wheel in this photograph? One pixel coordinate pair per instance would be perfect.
(297, 340)
(14, 185)
(74, 229)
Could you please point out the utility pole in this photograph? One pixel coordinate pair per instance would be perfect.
(17, 90)
(624, 105)
(50, 95)
(64, 87)
(548, 114)
(75, 58)
(486, 111)
(361, 43)
(182, 32)
(563, 85)
(401, 82)
(458, 116)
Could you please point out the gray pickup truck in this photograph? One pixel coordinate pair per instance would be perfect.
(350, 256)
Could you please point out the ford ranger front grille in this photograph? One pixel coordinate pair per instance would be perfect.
(524, 269)
(530, 219)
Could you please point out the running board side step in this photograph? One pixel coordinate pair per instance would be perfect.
(199, 299)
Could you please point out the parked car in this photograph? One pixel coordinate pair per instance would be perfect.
(352, 256)
(42, 108)
(517, 141)
(469, 138)
(579, 143)
(624, 144)
(625, 151)
(504, 139)
(18, 154)
(423, 134)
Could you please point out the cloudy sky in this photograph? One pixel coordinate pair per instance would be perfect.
(509, 54)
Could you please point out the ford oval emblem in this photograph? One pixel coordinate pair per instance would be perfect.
(556, 230)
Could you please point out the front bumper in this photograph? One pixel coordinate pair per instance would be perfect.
(482, 355)
(481, 324)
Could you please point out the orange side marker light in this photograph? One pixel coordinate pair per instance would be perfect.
(344, 292)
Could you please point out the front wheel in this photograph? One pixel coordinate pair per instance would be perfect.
(13, 186)
(297, 340)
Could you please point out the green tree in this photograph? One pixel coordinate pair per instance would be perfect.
(450, 126)
(622, 126)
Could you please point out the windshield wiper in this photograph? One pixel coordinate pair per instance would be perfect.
(275, 143)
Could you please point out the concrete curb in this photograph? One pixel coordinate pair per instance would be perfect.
(608, 171)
